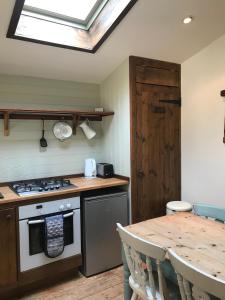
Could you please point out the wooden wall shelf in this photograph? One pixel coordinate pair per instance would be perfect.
(27, 114)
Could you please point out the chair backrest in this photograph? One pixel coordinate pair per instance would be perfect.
(141, 271)
(209, 211)
(194, 283)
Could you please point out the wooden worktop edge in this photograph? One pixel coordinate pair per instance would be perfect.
(106, 183)
(6, 183)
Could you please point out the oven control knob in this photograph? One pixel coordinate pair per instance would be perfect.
(68, 205)
(62, 207)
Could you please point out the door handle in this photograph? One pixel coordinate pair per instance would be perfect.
(68, 215)
(140, 174)
(8, 217)
(42, 220)
(35, 222)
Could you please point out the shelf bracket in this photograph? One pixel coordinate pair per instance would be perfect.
(6, 123)
(76, 119)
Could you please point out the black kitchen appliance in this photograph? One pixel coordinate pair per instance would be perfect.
(105, 170)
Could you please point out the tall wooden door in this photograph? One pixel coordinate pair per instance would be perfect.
(155, 137)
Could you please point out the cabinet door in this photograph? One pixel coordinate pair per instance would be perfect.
(157, 151)
(8, 265)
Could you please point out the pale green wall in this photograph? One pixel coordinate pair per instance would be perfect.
(20, 155)
(116, 130)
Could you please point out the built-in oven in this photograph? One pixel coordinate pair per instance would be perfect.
(32, 227)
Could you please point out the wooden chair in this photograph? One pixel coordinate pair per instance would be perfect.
(209, 211)
(142, 280)
(194, 283)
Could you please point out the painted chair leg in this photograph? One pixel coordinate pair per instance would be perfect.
(127, 289)
(134, 296)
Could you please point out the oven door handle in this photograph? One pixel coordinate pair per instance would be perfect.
(42, 221)
(68, 215)
(35, 222)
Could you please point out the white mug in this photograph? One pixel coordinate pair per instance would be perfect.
(88, 131)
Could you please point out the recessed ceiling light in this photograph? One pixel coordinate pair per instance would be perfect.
(187, 20)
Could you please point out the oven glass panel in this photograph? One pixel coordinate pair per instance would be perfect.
(37, 235)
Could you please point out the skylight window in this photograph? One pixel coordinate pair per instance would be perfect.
(68, 9)
(74, 24)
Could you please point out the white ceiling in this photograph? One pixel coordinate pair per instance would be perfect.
(153, 28)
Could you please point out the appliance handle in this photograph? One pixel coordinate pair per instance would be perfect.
(35, 222)
(42, 221)
(68, 215)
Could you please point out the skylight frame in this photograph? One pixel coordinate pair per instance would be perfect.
(66, 20)
(85, 40)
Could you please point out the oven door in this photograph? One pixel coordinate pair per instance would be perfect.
(32, 240)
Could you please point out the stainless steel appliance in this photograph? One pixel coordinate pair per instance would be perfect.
(36, 186)
(31, 231)
(101, 247)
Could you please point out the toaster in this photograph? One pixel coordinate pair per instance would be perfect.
(105, 170)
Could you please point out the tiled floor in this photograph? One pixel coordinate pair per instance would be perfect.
(108, 285)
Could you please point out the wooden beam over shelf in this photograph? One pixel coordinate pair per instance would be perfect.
(68, 115)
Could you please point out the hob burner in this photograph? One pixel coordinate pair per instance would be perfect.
(37, 186)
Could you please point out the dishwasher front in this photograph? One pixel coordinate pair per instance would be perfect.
(101, 246)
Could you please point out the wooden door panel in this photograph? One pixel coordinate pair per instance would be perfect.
(157, 150)
(157, 76)
(8, 265)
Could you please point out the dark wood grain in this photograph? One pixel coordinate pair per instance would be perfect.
(155, 137)
(148, 62)
(58, 113)
(157, 76)
(8, 261)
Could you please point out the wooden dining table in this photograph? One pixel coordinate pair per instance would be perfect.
(199, 241)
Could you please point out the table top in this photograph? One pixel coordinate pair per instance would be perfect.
(197, 240)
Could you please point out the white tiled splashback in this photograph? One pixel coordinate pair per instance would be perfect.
(20, 154)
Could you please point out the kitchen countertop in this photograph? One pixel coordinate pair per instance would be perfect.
(81, 184)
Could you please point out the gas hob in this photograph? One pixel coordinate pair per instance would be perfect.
(39, 186)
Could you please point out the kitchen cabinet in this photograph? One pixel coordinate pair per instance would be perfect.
(8, 258)
(13, 281)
